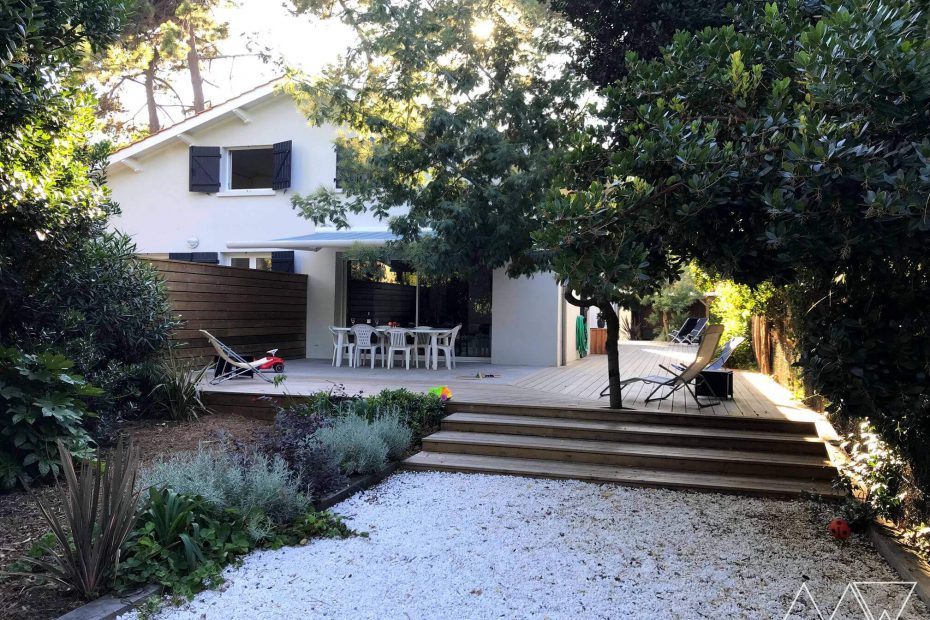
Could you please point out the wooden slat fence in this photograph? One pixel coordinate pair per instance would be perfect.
(250, 310)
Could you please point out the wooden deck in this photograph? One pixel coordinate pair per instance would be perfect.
(577, 384)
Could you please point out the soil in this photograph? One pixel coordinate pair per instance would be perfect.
(22, 524)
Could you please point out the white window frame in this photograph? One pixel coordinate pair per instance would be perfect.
(226, 173)
(252, 256)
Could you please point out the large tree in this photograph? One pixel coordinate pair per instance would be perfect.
(791, 146)
(48, 202)
(66, 284)
(611, 29)
(161, 39)
(455, 109)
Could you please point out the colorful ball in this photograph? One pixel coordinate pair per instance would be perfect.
(840, 529)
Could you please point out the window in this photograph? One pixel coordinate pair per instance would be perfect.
(251, 168)
(261, 262)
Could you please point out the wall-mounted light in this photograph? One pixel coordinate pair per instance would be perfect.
(193, 242)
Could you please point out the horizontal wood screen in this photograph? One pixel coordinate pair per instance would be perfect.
(250, 310)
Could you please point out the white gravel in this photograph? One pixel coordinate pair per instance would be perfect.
(469, 546)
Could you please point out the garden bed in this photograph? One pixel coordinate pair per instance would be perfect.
(22, 525)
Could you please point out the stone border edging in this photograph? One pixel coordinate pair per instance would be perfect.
(903, 560)
(110, 606)
(359, 485)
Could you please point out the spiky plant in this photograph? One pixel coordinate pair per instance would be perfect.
(99, 510)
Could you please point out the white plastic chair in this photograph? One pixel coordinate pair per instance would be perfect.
(398, 342)
(446, 344)
(421, 341)
(366, 339)
(348, 347)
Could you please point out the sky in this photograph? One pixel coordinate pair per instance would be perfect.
(298, 41)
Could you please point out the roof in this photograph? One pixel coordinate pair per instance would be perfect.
(236, 105)
(323, 238)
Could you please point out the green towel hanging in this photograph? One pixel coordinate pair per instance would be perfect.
(581, 335)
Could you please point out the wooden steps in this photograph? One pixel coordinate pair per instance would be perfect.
(628, 476)
(638, 432)
(772, 457)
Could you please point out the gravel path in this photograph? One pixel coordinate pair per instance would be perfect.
(470, 546)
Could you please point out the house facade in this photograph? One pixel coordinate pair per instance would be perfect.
(217, 187)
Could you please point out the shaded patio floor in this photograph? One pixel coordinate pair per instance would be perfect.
(577, 384)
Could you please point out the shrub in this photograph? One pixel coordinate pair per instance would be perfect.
(879, 469)
(257, 486)
(99, 512)
(44, 404)
(357, 448)
(363, 447)
(315, 466)
(182, 543)
(176, 394)
(394, 433)
(421, 413)
(105, 309)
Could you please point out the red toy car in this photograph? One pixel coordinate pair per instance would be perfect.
(272, 362)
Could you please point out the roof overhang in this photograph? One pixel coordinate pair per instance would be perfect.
(237, 107)
(323, 238)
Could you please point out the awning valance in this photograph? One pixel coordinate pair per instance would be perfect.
(321, 239)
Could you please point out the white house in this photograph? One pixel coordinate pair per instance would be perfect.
(217, 187)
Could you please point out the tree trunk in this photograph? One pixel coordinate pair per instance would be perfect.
(612, 343)
(613, 354)
(193, 66)
(154, 124)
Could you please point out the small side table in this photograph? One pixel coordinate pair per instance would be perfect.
(715, 384)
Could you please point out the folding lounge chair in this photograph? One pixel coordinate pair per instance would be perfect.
(694, 335)
(675, 381)
(725, 354)
(686, 328)
(236, 365)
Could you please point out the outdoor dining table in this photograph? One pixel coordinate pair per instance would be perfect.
(434, 333)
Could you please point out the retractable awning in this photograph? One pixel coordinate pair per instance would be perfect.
(320, 239)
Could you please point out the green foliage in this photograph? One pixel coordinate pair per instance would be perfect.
(459, 124)
(99, 512)
(788, 148)
(260, 488)
(878, 469)
(43, 404)
(421, 413)
(182, 543)
(49, 198)
(108, 311)
(672, 301)
(613, 28)
(65, 284)
(176, 394)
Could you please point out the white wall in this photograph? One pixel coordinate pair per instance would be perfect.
(161, 214)
(525, 320)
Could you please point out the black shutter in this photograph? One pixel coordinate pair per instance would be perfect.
(282, 261)
(210, 258)
(204, 169)
(282, 165)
